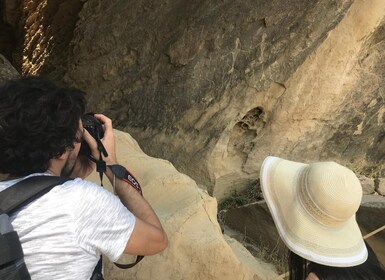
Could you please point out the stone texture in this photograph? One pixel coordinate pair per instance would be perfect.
(46, 32)
(259, 267)
(380, 188)
(255, 222)
(198, 80)
(198, 83)
(215, 92)
(197, 248)
(7, 71)
(368, 186)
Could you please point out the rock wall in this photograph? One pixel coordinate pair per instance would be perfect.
(216, 86)
(197, 80)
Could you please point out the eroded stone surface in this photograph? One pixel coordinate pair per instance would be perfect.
(367, 184)
(198, 83)
(215, 87)
(380, 188)
(215, 92)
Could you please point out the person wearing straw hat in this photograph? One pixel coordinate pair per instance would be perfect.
(313, 207)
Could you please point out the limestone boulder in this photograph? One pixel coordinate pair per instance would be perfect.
(197, 248)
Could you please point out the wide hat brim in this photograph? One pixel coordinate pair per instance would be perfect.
(338, 245)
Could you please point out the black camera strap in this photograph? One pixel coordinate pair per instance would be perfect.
(100, 167)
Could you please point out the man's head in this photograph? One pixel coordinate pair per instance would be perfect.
(38, 122)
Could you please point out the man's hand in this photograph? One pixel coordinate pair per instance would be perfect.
(108, 141)
(83, 165)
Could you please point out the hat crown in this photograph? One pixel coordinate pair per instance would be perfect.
(330, 192)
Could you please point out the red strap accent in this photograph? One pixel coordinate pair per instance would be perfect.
(133, 182)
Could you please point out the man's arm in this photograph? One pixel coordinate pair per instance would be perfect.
(148, 236)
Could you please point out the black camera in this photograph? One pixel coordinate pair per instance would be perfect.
(95, 128)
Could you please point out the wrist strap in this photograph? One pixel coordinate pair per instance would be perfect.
(122, 173)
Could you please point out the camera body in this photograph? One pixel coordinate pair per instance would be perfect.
(95, 128)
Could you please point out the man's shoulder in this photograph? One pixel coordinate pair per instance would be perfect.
(79, 182)
(79, 185)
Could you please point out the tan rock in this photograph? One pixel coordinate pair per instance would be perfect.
(197, 249)
(380, 189)
(367, 184)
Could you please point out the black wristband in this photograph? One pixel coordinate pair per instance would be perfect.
(123, 174)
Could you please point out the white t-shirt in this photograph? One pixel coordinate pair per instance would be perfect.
(64, 231)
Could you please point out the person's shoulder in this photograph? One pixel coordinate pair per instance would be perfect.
(83, 187)
(81, 183)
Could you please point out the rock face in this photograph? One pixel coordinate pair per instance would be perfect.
(199, 81)
(197, 248)
(216, 86)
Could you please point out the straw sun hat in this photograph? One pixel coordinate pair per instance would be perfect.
(313, 207)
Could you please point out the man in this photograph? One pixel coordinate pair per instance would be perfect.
(64, 232)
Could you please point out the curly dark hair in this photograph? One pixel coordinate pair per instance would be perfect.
(38, 121)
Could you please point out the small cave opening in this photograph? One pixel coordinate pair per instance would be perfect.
(253, 120)
(245, 131)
